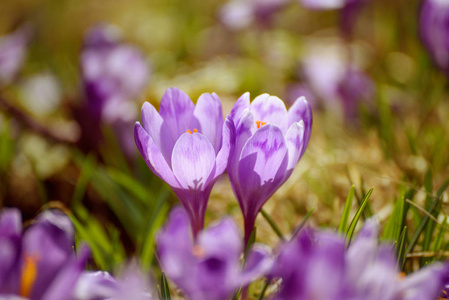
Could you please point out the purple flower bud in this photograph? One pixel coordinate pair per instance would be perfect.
(113, 74)
(366, 270)
(269, 142)
(187, 146)
(210, 266)
(434, 28)
(13, 51)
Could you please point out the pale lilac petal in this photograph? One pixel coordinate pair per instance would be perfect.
(209, 114)
(227, 145)
(425, 284)
(174, 245)
(258, 264)
(323, 4)
(152, 122)
(271, 110)
(95, 285)
(243, 131)
(177, 111)
(295, 144)
(10, 222)
(222, 240)
(239, 108)
(193, 161)
(153, 156)
(262, 166)
(301, 110)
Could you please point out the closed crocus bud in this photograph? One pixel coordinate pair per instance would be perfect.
(114, 73)
(269, 142)
(435, 32)
(210, 267)
(13, 51)
(238, 14)
(187, 146)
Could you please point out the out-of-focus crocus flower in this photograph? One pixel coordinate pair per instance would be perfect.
(210, 266)
(113, 73)
(336, 82)
(238, 14)
(13, 51)
(38, 263)
(434, 31)
(187, 146)
(366, 270)
(269, 142)
(101, 286)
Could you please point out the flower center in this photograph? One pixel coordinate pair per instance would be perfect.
(198, 251)
(260, 124)
(29, 275)
(194, 130)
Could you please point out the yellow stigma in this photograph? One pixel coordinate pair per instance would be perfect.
(198, 251)
(260, 124)
(401, 276)
(194, 130)
(29, 275)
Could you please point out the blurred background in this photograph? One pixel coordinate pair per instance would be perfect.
(74, 74)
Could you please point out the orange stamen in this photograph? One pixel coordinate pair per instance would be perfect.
(401, 276)
(260, 124)
(28, 276)
(194, 130)
(198, 251)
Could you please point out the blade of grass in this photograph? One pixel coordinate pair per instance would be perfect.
(300, 226)
(346, 211)
(400, 249)
(356, 218)
(165, 290)
(272, 224)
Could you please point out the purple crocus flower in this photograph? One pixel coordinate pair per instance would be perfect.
(113, 73)
(187, 146)
(365, 271)
(132, 284)
(238, 14)
(269, 142)
(40, 261)
(210, 266)
(13, 51)
(434, 29)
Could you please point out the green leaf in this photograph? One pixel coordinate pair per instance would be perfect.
(393, 227)
(356, 218)
(400, 247)
(342, 228)
(272, 224)
(303, 222)
(165, 290)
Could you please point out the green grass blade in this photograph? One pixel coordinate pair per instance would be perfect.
(400, 247)
(342, 228)
(165, 290)
(356, 218)
(303, 222)
(272, 224)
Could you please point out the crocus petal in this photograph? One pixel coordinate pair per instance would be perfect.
(244, 129)
(153, 156)
(262, 166)
(227, 145)
(425, 284)
(323, 4)
(64, 282)
(295, 143)
(222, 240)
(209, 114)
(10, 222)
(239, 108)
(95, 285)
(174, 245)
(301, 110)
(177, 111)
(271, 110)
(49, 241)
(152, 123)
(193, 161)
(258, 263)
